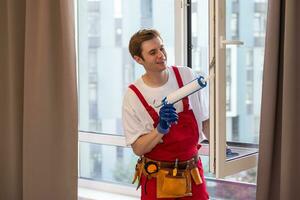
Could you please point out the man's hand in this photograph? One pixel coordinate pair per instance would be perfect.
(167, 116)
(205, 128)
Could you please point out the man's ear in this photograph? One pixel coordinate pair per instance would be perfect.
(138, 59)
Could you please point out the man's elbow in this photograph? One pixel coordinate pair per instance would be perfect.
(138, 150)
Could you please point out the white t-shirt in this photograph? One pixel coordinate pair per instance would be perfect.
(137, 121)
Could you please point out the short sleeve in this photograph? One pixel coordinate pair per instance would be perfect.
(203, 100)
(202, 96)
(132, 125)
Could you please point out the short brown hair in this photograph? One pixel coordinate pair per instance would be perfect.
(138, 38)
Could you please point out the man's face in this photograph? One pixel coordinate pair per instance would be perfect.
(154, 55)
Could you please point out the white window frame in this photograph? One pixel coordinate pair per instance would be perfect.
(180, 32)
(217, 146)
(218, 163)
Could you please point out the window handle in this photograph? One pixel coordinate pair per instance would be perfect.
(225, 42)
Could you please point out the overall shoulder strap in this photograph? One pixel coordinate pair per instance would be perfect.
(153, 114)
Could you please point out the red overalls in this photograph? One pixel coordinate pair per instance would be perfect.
(181, 143)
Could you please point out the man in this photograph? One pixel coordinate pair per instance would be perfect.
(166, 138)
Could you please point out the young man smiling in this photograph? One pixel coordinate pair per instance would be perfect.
(166, 138)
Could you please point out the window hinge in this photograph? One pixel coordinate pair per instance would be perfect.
(212, 63)
(184, 3)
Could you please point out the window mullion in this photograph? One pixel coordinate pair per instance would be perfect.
(180, 32)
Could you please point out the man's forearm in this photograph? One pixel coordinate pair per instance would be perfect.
(147, 142)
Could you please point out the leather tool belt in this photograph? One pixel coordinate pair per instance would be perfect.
(173, 179)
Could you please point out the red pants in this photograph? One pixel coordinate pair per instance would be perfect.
(199, 191)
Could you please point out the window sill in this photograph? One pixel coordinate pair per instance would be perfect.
(90, 194)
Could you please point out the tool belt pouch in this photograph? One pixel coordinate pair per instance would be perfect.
(196, 175)
(138, 172)
(169, 186)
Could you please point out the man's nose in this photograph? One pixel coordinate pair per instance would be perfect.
(161, 54)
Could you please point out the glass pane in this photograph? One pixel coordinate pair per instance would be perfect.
(200, 40)
(105, 65)
(245, 21)
(106, 163)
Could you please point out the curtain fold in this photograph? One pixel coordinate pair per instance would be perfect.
(38, 100)
(12, 30)
(279, 162)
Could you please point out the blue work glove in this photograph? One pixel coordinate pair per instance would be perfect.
(167, 116)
